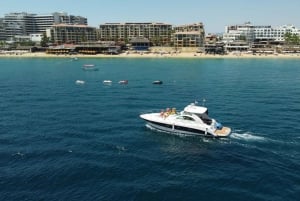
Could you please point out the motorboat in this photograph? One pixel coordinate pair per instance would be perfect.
(107, 82)
(89, 67)
(157, 82)
(192, 121)
(80, 82)
(123, 82)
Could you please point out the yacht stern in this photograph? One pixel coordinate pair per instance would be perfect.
(223, 132)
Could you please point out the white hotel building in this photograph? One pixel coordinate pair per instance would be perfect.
(249, 32)
(23, 24)
(276, 34)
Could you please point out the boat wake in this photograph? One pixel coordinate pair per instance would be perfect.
(247, 136)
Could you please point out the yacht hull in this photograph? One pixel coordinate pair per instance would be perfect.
(175, 129)
(171, 125)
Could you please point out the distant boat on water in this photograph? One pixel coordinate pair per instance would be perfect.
(123, 82)
(89, 67)
(80, 82)
(107, 82)
(157, 82)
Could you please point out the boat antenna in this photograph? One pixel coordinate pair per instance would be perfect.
(203, 101)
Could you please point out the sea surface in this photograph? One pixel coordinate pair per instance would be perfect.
(64, 141)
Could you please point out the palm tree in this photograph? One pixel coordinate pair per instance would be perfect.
(291, 39)
(45, 40)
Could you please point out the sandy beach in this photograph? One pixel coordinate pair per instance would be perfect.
(155, 55)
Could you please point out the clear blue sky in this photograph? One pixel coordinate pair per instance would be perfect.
(214, 14)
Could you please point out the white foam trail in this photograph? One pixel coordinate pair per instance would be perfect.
(121, 148)
(18, 154)
(247, 136)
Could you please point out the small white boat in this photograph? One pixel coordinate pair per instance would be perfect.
(89, 67)
(123, 82)
(80, 82)
(107, 82)
(193, 120)
(157, 82)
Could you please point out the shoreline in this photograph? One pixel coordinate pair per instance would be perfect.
(153, 55)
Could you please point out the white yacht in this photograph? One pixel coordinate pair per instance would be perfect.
(193, 120)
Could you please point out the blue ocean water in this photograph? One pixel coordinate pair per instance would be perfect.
(62, 141)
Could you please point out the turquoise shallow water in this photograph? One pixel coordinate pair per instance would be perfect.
(62, 141)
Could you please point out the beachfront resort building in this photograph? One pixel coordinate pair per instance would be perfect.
(213, 45)
(24, 24)
(249, 33)
(156, 33)
(2, 30)
(248, 37)
(190, 35)
(243, 32)
(276, 33)
(68, 33)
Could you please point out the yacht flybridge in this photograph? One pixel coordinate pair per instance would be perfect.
(193, 120)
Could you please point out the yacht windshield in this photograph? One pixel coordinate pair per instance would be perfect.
(186, 118)
(205, 118)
